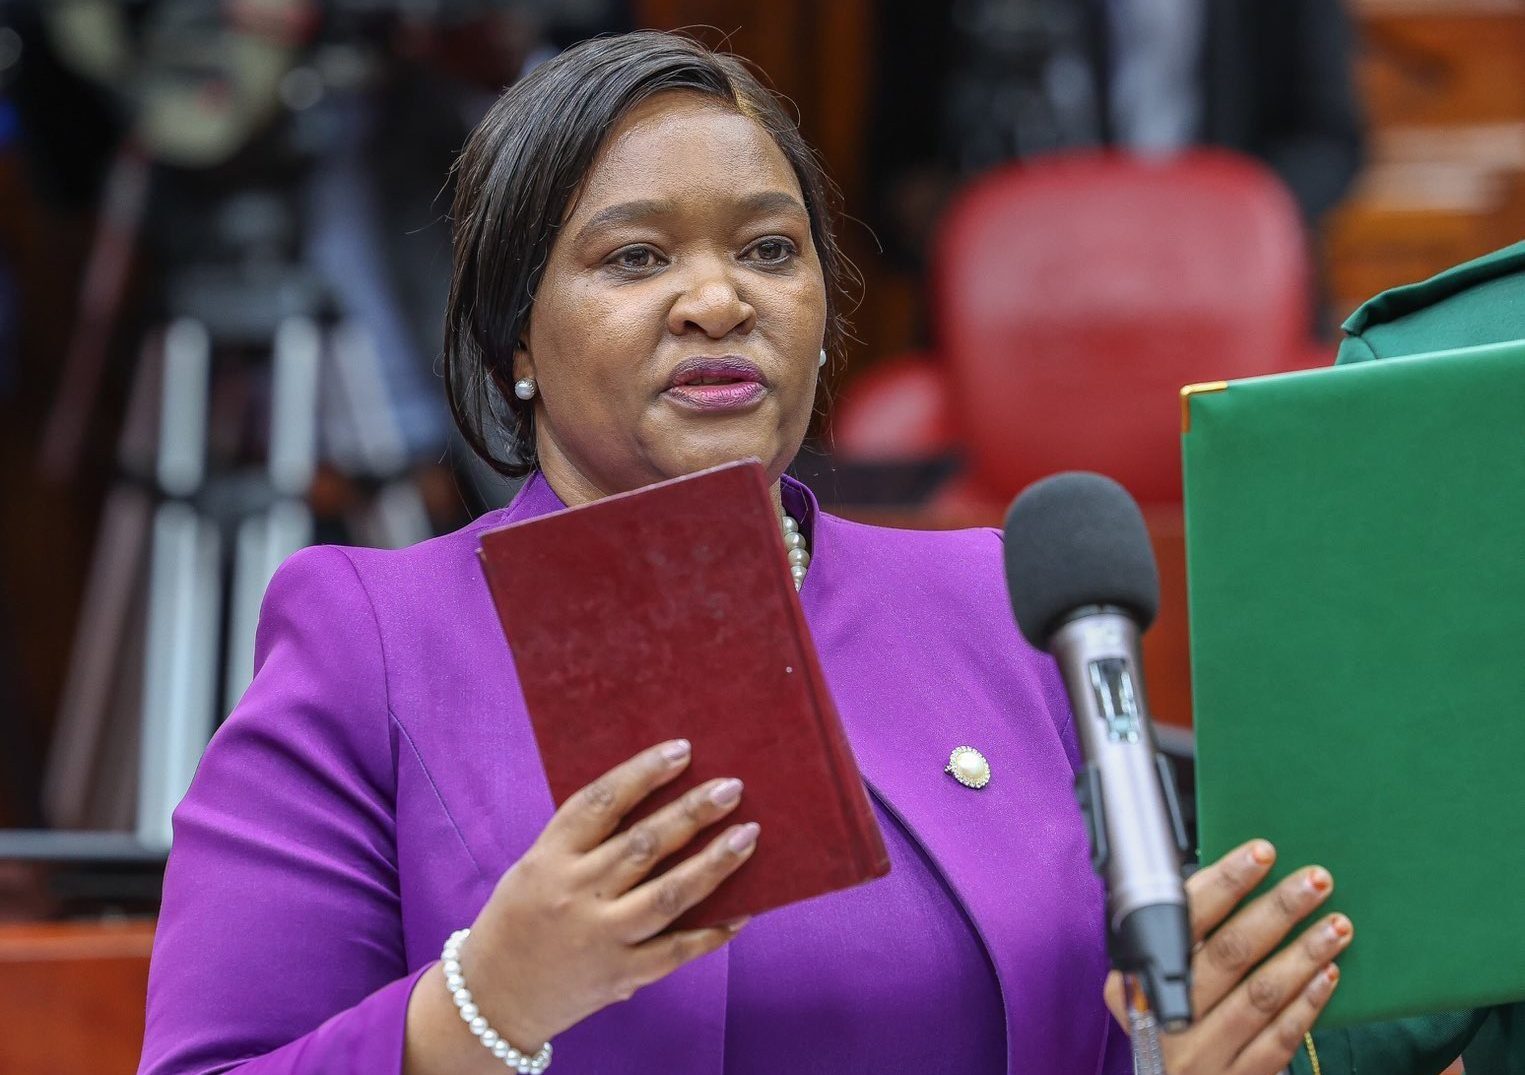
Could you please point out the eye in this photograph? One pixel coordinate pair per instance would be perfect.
(635, 259)
(772, 251)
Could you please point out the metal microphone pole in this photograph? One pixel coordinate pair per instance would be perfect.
(1143, 1029)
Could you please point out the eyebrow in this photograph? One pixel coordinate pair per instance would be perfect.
(768, 201)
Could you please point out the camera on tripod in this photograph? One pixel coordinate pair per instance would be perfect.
(273, 350)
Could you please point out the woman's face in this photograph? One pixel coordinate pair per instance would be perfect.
(680, 317)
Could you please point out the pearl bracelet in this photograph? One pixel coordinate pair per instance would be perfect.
(450, 961)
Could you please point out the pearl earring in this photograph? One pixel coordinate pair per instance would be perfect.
(525, 388)
(822, 362)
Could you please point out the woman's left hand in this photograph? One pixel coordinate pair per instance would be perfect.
(1251, 1017)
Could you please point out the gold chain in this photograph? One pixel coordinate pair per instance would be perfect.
(1312, 1053)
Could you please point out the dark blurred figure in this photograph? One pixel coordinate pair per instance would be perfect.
(969, 84)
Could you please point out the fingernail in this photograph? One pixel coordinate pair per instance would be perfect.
(726, 792)
(676, 750)
(736, 923)
(1318, 881)
(1323, 982)
(743, 838)
(1338, 929)
(1262, 853)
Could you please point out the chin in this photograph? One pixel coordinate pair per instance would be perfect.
(713, 451)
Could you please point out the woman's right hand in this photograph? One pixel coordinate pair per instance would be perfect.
(572, 926)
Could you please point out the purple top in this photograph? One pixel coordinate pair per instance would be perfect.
(380, 774)
(923, 989)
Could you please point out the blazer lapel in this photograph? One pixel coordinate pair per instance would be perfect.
(1012, 853)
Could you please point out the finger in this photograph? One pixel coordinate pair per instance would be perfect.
(587, 818)
(1260, 999)
(659, 957)
(1216, 890)
(1245, 939)
(649, 908)
(620, 861)
(1112, 993)
(1276, 1045)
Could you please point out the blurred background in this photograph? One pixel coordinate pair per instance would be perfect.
(224, 255)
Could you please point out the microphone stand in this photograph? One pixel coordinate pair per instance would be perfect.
(1143, 1029)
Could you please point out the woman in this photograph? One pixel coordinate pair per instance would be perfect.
(646, 283)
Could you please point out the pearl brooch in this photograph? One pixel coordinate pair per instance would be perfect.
(969, 767)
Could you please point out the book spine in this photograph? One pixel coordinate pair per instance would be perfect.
(869, 855)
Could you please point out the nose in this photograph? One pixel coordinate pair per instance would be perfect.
(711, 303)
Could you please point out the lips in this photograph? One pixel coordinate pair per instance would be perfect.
(728, 383)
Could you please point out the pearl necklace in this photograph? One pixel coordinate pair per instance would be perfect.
(799, 556)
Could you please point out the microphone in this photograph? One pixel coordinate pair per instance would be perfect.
(1084, 586)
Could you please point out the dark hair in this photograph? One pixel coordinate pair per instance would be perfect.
(514, 179)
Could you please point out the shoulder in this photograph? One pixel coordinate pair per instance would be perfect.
(892, 540)
(953, 563)
(425, 567)
(947, 589)
(1478, 302)
(378, 609)
(343, 629)
(438, 570)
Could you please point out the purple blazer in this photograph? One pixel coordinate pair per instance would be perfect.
(380, 775)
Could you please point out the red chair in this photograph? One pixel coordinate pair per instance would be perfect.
(1073, 297)
(896, 409)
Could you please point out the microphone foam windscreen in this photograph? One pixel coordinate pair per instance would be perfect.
(1074, 540)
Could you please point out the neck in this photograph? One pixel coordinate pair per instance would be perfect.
(574, 488)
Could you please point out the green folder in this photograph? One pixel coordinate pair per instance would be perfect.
(1356, 566)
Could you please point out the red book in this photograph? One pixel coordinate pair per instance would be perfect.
(669, 612)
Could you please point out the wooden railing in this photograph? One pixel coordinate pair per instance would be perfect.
(71, 997)
(1443, 83)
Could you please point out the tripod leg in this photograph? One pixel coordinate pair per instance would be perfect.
(363, 395)
(243, 613)
(181, 464)
(179, 692)
(184, 595)
(114, 794)
(264, 541)
(266, 538)
(294, 406)
(397, 516)
(75, 756)
(78, 766)
(122, 203)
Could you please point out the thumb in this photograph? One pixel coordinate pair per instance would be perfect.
(1113, 993)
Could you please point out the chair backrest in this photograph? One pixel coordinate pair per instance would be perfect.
(1075, 295)
(896, 409)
